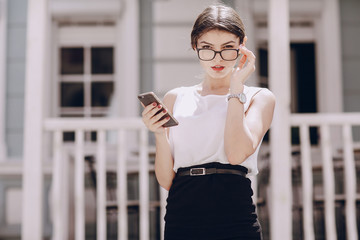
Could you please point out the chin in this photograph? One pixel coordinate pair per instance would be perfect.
(219, 74)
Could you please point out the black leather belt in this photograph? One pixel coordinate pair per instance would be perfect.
(206, 171)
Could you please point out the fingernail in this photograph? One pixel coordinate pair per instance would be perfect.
(154, 104)
(159, 106)
(167, 118)
(164, 111)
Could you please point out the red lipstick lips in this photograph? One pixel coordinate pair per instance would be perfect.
(217, 68)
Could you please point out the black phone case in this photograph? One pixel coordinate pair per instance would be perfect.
(150, 97)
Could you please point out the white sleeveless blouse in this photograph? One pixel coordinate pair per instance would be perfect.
(199, 137)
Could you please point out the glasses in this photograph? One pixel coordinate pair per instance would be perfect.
(209, 54)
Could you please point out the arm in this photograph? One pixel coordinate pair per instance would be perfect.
(164, 162)
(243, 132)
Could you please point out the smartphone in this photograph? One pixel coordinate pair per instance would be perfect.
(150, 97)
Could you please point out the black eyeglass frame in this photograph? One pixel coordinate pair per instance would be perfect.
(216, 52)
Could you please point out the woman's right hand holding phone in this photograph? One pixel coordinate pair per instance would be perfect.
(152, 120)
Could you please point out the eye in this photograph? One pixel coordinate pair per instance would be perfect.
(206, 47)
(229, 46)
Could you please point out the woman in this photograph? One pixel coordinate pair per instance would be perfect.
(204, 161)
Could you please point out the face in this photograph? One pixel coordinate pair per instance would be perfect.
(218, 40)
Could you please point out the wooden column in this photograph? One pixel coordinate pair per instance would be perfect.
(279, 83)
(36, 65)
(330, 62)
(330, 58)
(127, 60)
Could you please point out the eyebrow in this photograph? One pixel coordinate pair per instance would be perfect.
(221, 44)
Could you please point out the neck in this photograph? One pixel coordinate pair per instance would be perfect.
(215, 85)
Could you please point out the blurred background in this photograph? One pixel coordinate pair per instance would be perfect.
(76, 161)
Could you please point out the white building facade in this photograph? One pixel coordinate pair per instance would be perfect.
(76, 161)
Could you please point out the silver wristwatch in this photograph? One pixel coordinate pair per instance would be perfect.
(240, 96)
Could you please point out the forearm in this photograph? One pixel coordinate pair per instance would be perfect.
(238, 140)
(164, 162)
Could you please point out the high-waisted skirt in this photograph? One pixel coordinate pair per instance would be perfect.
(211, 207)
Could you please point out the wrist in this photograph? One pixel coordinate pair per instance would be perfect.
(238, 88)
(160, 135)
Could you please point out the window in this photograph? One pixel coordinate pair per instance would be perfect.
(86, 79)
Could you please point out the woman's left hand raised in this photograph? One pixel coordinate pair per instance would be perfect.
(242, 72)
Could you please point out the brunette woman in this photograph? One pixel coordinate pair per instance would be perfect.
(204, 162)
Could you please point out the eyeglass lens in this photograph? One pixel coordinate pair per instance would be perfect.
(226, 54)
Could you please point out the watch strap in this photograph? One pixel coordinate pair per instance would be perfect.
(240, 96)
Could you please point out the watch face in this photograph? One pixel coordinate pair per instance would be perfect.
(242, 98)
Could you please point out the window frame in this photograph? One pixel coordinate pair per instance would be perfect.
(82, 37)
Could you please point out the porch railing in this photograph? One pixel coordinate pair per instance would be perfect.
(123, 129)
(324, 122)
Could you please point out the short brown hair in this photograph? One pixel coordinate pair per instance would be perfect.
(218, 17)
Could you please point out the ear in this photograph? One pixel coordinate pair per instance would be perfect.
(244, 41)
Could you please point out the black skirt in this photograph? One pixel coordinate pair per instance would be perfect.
(211, 207)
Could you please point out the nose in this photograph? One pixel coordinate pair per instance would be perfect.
(218, 56)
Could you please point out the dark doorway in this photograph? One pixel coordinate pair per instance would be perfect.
(303, 78)
(303, 85)
(303, 82)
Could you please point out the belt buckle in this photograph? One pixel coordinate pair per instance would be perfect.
(197, 171)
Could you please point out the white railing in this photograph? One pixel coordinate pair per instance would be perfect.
(59, 206)
(324, 121)
(122, 127)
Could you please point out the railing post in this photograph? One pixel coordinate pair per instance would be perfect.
(122, 197)
(329, 183)
(57, 194)
(101, 186)
(163, 197)
(350, 183)
(144, 185)
(79, 187)
(307, 182)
